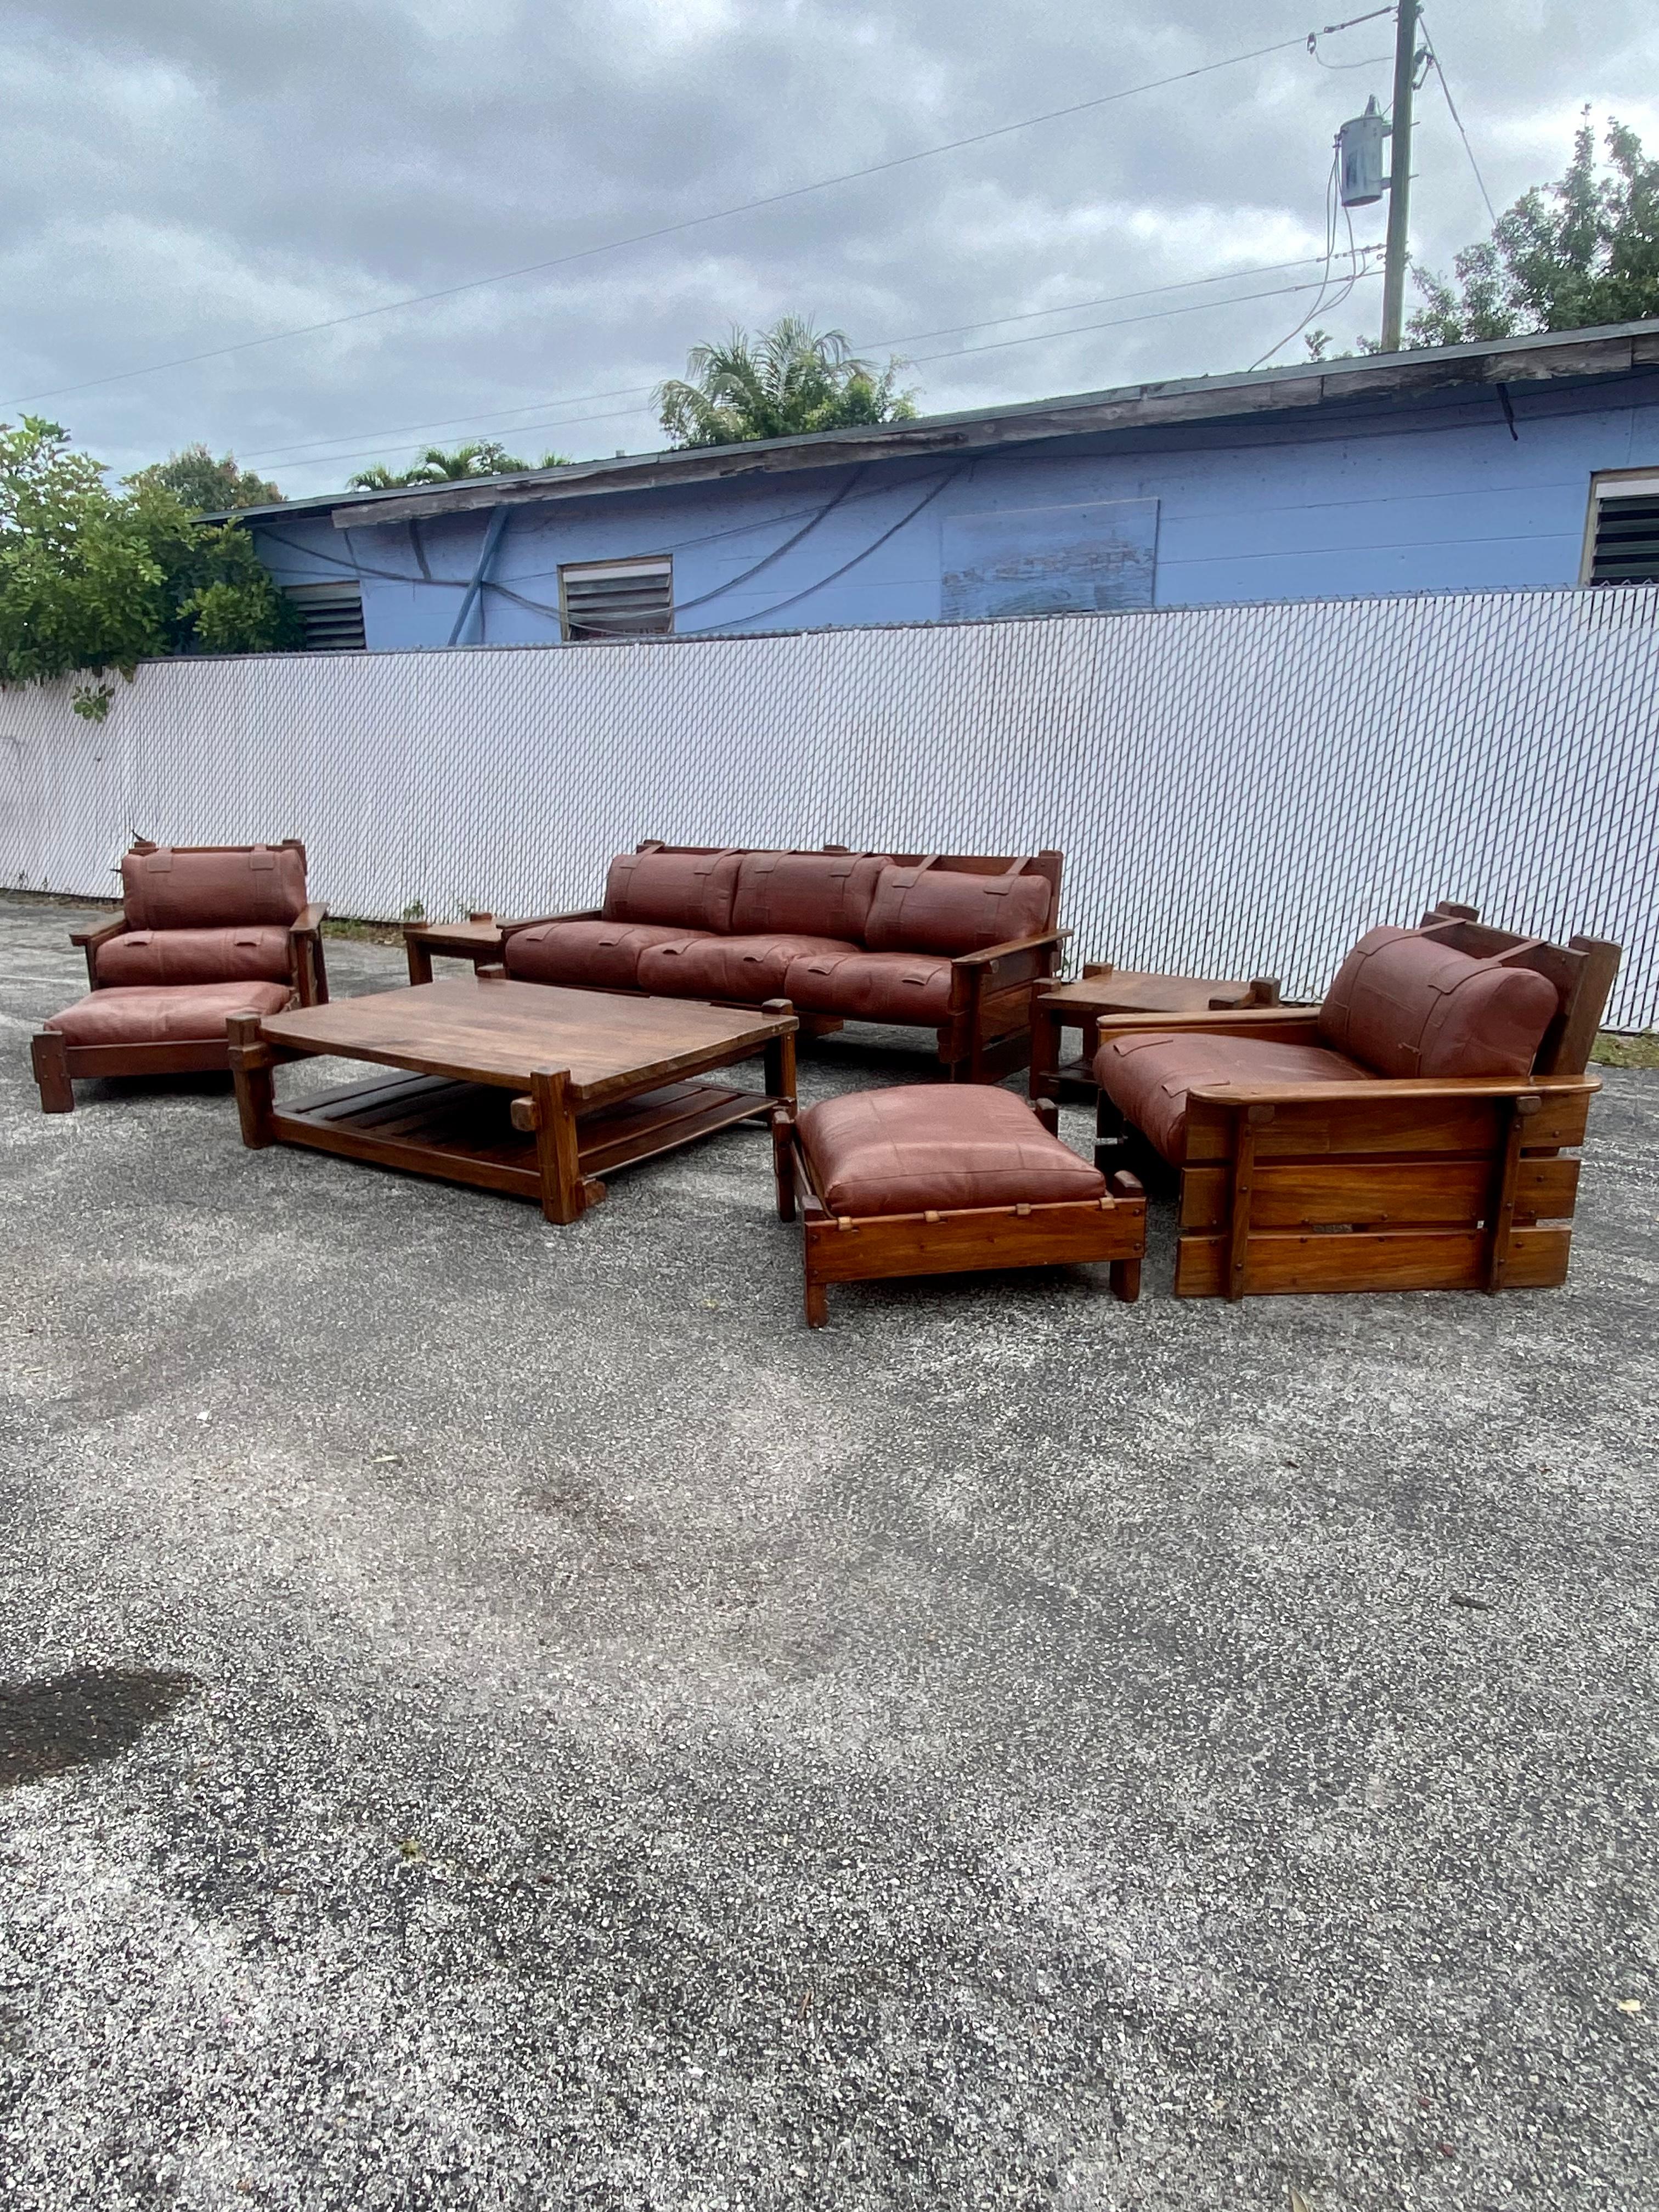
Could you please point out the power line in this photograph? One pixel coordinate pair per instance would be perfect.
(869, 346)
(691, 222)
(1440, 72)
(953, 353)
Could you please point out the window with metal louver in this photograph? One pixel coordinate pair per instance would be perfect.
(333, 615)
(1624, 535)
(617, 599)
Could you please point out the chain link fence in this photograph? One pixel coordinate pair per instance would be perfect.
(1237, 790)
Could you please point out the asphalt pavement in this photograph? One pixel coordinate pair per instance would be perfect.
(497, 1716)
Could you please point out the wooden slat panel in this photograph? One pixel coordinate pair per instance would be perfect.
(1304, 1128)
(1052, 1235)
(608, 1143)
(1311, 1194)
(1384, 1259)
(449, 1162)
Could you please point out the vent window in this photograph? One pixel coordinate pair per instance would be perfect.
(1623, 539)
(617, 599)
(333, 615)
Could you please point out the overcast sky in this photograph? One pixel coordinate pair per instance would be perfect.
(181, 175)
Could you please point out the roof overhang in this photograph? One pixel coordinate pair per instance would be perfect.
(1374, 378)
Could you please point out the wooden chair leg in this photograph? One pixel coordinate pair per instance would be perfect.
(1111, 1134)
(783, 1163)
(818, 1304)
(1125, 1274)
(50, 1057)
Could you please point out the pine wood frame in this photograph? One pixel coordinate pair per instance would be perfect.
(879, 1247)
(986, 1032)
(58, 1064)
(1448, 1183)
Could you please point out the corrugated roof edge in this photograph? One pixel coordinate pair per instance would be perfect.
(1606, 350)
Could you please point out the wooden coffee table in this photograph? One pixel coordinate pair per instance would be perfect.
(1104, 990)
(522, 1088)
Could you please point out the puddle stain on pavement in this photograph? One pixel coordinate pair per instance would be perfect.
(94, 1713)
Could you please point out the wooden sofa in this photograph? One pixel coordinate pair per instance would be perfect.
(1414, 1132)
(205, 932)
(957, 943)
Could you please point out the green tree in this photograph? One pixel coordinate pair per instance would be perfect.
(788, 379)
(1568, 255)
(206, 486)
(92, 579)
(484, 456)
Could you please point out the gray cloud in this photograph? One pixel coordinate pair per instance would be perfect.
(180, 175)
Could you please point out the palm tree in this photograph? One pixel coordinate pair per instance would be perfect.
(788, 379)
(483, 457)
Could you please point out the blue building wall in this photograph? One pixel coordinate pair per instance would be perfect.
(1335, 502)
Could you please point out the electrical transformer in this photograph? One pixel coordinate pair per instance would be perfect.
(1360, 158)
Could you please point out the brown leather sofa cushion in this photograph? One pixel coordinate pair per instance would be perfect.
(872, 987)
(689, 891)
(750, 969)
(166, 890)
(598, 956)
(1147, 1076)
(805, 894)
(251, 954)
(923, 1146)
(190, 1014)
(1409, 1006)
(945, 911)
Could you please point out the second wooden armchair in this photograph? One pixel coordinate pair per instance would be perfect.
(1412, 1132)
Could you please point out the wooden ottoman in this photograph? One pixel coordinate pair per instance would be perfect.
(921, 1180)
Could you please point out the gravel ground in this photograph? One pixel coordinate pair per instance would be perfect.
(495, 1716)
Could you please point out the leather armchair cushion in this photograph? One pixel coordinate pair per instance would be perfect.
(602, 956)
(187, 1014)
(946, 910)
(254, 953)
(1147, 1076)
(687, 890)
(806, 894)
(748, 968)
(1409, 1006)
(923, 1146)
(872, 987)
(166, 890)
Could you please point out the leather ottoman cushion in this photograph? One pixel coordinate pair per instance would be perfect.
(1148, 1076)
(256, 953)
(923, 1148)
(750, 969)
(806, 894)
(1409, 1006)
(872, 987)
(684, 890)
(948, 910)
(166, 890)
(603, 956)
(187, 1014)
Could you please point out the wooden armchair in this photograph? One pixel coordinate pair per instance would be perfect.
(206, 932)
(1412, 1132)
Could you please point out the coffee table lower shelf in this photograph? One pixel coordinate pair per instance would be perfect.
(431, 1125)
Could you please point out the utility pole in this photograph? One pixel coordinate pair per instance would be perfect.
(1400, 174)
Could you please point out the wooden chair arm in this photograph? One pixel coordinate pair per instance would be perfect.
(90, 940)
(535, 920)
(992, 953)
(1218, 1021)
(309, 919)
(1384, 1091)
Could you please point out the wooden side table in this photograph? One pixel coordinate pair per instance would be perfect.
(479, 938)
(1103, 989)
